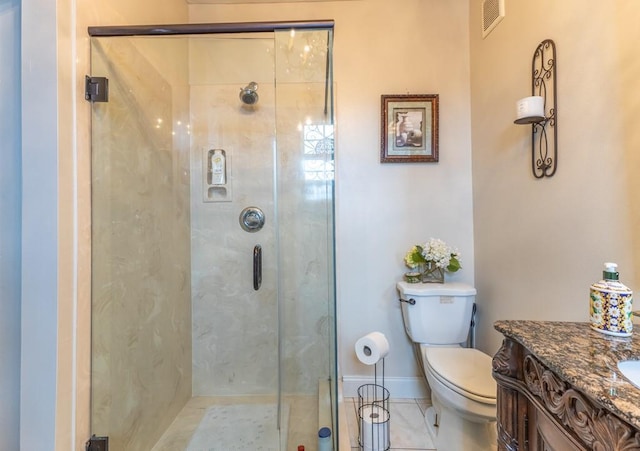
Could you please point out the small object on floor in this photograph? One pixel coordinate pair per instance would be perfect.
(300, 447)
(325, 442)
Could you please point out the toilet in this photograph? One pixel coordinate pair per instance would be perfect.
(437, 318)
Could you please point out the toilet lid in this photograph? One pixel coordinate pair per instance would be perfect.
(465, 369)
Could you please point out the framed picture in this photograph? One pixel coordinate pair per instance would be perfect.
(409, 128)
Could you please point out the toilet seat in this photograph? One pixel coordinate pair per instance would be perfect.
(466, 371)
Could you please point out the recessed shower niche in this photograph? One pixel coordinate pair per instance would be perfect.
(180, 337)
(216, 175)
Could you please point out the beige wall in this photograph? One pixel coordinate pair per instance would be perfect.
(540, 243)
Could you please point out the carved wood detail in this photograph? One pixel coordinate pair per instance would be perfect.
(597, 428)
(508, 419)
(503, 362)
(506, 442)
(505, 367)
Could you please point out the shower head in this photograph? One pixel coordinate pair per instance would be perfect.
(249, 94)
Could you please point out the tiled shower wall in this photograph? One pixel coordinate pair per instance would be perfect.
(235, 328)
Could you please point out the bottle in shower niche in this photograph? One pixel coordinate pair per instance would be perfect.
(610, 303)
(218, 167)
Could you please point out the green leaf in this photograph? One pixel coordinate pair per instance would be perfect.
(454, 265)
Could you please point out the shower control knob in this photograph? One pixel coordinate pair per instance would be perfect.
(251, 219)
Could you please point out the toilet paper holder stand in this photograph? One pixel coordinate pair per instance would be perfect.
(373, 413)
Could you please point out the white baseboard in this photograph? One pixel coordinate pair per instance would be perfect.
(399, 387)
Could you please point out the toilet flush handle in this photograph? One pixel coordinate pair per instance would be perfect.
(410, 301)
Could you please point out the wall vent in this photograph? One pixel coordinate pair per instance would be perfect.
(492, 14)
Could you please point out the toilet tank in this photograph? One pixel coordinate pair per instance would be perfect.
(441, 314)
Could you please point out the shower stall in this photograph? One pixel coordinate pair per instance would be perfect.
(213, 298)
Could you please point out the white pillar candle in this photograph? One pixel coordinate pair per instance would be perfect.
(530, 107)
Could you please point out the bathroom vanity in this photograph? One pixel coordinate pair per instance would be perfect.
(559, 388)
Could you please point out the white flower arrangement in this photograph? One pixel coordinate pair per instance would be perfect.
(435, 251)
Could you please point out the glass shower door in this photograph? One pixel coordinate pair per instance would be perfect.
(305, 200)
(141, 253)
(187, 345)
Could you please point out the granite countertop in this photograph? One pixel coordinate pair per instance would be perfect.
(585, 358)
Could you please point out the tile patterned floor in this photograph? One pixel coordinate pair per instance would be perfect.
(406, 424)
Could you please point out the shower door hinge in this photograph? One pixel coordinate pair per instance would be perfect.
(96, 89)
(97, 444)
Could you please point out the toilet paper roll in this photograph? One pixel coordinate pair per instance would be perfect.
(374, 427)
(371, 348)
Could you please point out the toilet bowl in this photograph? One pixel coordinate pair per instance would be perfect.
(462, 378)
(463, 393)
(463, 396)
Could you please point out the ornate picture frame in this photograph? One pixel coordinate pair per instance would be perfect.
(409, 128)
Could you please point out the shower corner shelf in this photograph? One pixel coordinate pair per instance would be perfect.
(216, 175)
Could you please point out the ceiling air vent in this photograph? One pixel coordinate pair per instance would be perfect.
(492, 14)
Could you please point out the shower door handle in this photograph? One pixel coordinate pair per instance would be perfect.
(257, 267)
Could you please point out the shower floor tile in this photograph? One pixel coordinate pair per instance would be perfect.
(301, 428)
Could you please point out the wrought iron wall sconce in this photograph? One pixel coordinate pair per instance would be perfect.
(540, 110)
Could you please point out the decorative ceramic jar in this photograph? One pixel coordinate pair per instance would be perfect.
(610, 304)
